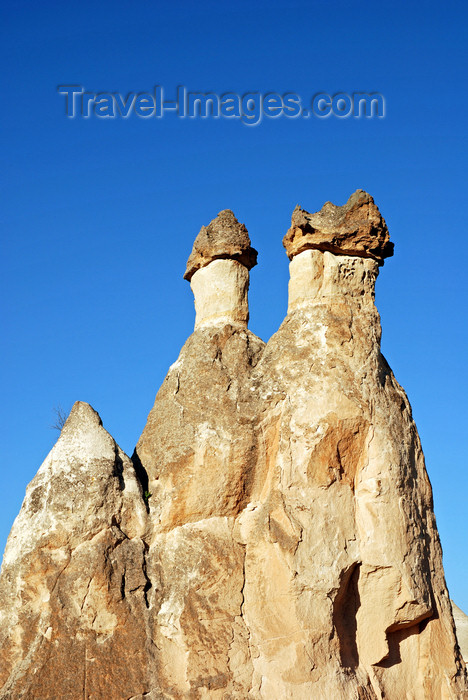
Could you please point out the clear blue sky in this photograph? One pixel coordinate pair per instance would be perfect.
(98, 216)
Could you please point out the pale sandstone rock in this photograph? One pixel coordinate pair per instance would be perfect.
(220, 291)
(363, 595)
(199, 433)
(290, 551)
(342, 584)
(73, 586)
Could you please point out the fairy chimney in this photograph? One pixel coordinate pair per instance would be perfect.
(274, 535)
(218, 271)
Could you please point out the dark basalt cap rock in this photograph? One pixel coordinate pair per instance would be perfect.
(224, 237)
(356, 228)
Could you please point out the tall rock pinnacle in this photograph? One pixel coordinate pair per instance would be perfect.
(274, 537)
(218, 271)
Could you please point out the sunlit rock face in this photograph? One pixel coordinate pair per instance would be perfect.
(73, 586)
(342, 530)
(274, 537)
(220, 291)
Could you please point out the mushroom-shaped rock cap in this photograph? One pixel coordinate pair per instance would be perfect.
(224, 237)
(356, 228)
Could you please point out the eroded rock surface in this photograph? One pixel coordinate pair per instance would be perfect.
(224, 237)
(357, 228)
(290, 547)
(220, 290)
(73, 587)
(342, 531)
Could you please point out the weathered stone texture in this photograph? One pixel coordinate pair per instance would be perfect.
(224, 237)
(358, 563)
(357, 228)
(73, 587)
(289, 549)
(220, 290)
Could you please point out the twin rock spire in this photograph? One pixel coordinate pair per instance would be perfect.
(222, 255)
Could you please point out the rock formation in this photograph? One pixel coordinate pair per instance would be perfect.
(73, 588)
(461, 623)
(223, 239)
(356, 229)
(274, 537)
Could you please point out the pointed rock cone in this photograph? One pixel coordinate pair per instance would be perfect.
(218, 271)
(74, 573)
